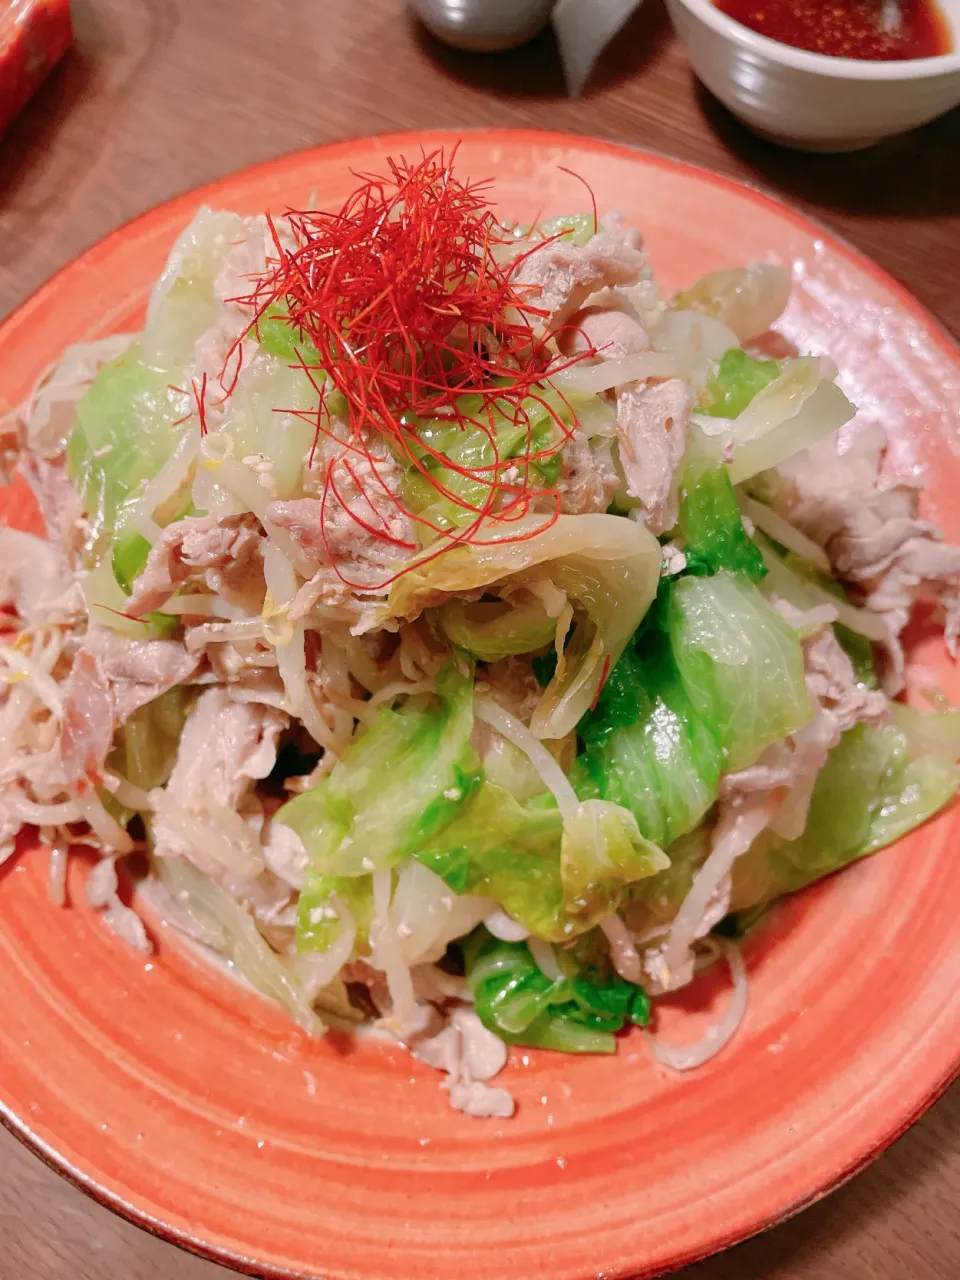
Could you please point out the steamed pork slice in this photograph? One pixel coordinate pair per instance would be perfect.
(589, 480)
(612, 331)
(226, 555)
(559, 277)
(59, 503)
(226, 746)
(353, 516)
(35, 579)
(471, 1056)
(138, 671)
(89, 720)
(873, 535)
(652, 421)
(207, 811)
(790, 767)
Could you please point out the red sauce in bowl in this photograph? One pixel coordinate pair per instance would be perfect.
(846, 28)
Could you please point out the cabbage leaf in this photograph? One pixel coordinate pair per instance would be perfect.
(740, 663)
(392, 790)
(607, 567)
(646, 746)
(868, 794)
(518, 1002)
(712, 525)
(736, 380)
(556, 879)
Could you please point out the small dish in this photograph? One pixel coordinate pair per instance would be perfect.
(810, 101)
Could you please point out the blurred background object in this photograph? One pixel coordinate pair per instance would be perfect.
(483, 26)
(34, 35)
(583, 28)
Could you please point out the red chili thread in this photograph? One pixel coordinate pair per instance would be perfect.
(590, 192)
(408, 296)
(604, 672)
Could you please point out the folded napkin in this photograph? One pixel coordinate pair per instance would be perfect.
(583, 29)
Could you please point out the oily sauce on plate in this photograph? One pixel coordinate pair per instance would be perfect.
(846, 28)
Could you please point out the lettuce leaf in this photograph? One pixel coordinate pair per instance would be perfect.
(499, 849)
(473, 453)
(748, 299)
(868, 794)
(491, 629)
(601, 852)
(393, 789)
(578, 228)
(711, 523)
(740, 663)
(556, 879)
(271, 412)
(798, 408)
(212, 914)
(124, 433)
(280, 337)
(183, 304)
(607, 567)
(737, 379)
(647, 748)
(148, 741)
(519, 1003)
(318, 926)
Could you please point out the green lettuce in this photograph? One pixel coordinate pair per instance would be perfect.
(646, 747)
(740, 662)
(393, 789)
(500, 849)
(578, 228)
(125, 431)
(493, 629)
(403, 780)
(473, 453)
(603, 851)
(318, 926)
(607, 567)
(737, 380)
(272, 412)
(711, 678)
(519, 1003)
(711, 523)
(557, 879)
(868, 794)
(148, 742)
(280, 337)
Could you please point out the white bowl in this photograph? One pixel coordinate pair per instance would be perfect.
(808, 100)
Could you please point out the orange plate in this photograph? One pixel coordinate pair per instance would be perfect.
(199, 1111)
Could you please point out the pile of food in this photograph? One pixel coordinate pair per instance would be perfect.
(475, 640)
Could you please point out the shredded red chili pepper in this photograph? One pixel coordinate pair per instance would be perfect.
(604, 672)
(407, 293)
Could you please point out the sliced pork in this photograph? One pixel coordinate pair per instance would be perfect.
(226, 555)
(872, 532)
(589, 479)
(138, 670)
(35, 579)
(559, 277)
(652, 423)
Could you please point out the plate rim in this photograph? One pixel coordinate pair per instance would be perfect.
(188, 200)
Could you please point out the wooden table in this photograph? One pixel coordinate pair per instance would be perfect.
(161, 95)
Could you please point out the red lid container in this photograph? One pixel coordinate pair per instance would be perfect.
(34, 34)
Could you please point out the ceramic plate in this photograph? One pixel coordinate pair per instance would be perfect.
(199, 1111)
